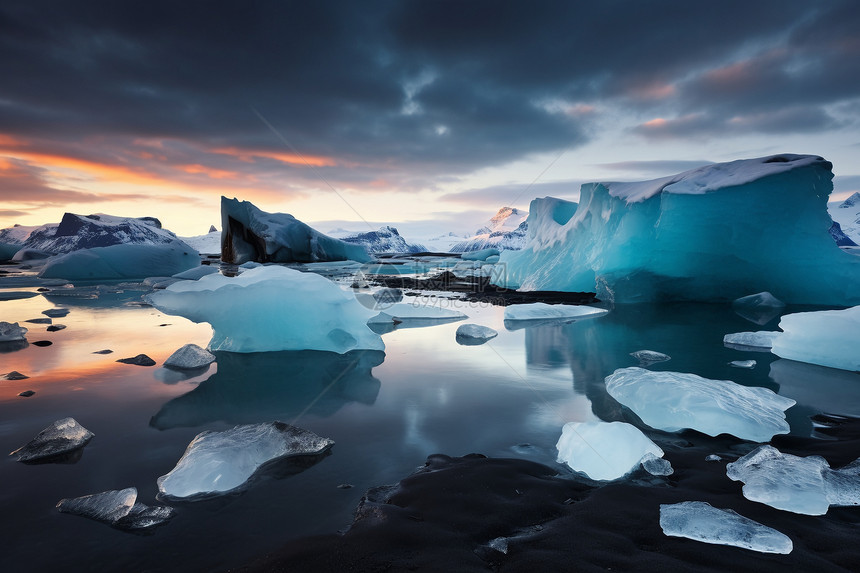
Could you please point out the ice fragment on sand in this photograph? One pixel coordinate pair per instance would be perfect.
(218, 462)
(190, 356)
(701, 521)
(673, 401)
(648, 357)
(61, 437)
(474, 334)
(827, 337)
(805, 485)
(604, 450)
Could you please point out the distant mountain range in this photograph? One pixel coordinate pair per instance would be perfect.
(384, 240)
(847, 216)
(507, 230)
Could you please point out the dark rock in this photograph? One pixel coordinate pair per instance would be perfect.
(14, 375)
(139, 360)
(105, 351)
(26, 393)
(56, 327)
(56, 312)
(40, 320)
(42, 343)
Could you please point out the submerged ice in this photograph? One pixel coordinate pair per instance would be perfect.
(272, 308)
(605, 450)
(701, 521)
(218, 462)
(717, 232)
(673, 401)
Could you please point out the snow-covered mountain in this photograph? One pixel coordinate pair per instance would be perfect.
(76, 232)
(847, 214)
(507, 230)
(384, 240)
(208, 244)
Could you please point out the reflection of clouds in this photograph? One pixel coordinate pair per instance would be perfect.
(413, 433)
(827, 390)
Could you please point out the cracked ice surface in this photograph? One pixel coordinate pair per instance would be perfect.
(673, 401)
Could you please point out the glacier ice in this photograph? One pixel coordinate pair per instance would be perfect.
(11, 332)
(131, 261)
(271, 308)
(189, 357)
(714, 233)
(701, 521)
(474, 334)
(60, 438)
(196, 273)
(649, 357)
(250, 234)
(760, 341)
(805, 485)
(827, 338)
(673, 401)
(481, 255)
(543, 311)
(604, 450)
(118, 508)
(219, 462)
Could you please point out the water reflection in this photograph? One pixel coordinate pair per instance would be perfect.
(257, 387)
(822, 389)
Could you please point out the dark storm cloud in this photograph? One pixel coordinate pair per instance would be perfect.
(429, 87)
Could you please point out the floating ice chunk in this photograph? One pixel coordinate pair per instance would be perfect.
(604, 450)
(196, 272)
(474, 334)
(760, 341)
(10, 332)
(827, 337)
(56, 312)
(805, 485)
(707, 234)
(481, 255)
(701, 521)
(118, 508)
(649, 357)
(190, 356)
(405, 312)
(272, 308)
(62, 437)
(122, 262)
(218, 462)
(713, 458)
(543, 311)
(657, 466)
(748, 364)
(16, 294)
(673, 401)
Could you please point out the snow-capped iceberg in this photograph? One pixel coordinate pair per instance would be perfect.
(60, 438)
(805, 485)
(673, 401)
(701, 521)
(132, 261)
(218, 462)
(384, 240)
(250, 234)
(713, 233)
(827, 337)
(272, 308)
(507, 230)
(604, 450)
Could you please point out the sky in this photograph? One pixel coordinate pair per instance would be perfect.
(427, 115)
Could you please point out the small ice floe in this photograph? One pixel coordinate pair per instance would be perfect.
(56, 312)
(60, 438)
(414, 315)
(118, 508)
(139, 360)
(541, 311)
(656, 466)
(701, 521)
(649, 357)
(748, 364)
(604, 450)
(474, 334)
(713, 458)
(190, 357)
(14, 375)
(760, 341)
(11, 332)
(805, 485)
(219, 462)
(16, 294)
(759, 308)
(673, 401)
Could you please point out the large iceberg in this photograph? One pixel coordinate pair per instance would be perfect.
(132, 261)
(805, 485)
(703, 522)
(717, 232)
(604, 450)
(827, 337)
(250, 234)
(272, 308)
(219, 462)
(673, 401)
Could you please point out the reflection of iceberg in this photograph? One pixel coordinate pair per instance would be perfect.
(264, 386)
(826, 390)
